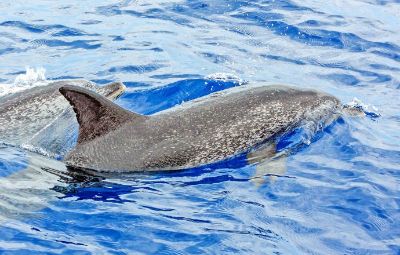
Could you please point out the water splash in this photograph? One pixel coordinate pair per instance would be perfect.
(226, 77)
(31, 75)
(31, 78)
(357, 105)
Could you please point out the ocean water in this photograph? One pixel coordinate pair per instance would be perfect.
(337, 194)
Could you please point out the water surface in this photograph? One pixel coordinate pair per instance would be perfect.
(338, 195)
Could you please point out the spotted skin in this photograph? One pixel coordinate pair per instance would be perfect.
(24, 114)
(200, 132)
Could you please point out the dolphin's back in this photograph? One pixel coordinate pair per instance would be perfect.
(205, 131)
(224, 125)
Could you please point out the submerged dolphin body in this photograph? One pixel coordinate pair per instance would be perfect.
(207, 130)
(29, 116)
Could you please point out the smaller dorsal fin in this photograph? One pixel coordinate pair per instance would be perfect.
(96, 114)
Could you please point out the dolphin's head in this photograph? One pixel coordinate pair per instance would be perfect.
(112, 90)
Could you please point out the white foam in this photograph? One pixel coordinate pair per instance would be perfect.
(369, 110)
(358, 103)
(31, 78)
(225, 77)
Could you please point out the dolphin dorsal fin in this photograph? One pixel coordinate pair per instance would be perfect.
(96, 114)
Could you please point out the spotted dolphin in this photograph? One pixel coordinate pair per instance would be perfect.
(203, 131)
(29, 116)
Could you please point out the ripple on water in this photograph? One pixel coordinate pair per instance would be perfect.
(338, 195)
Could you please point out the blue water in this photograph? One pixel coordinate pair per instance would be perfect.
(338, 195)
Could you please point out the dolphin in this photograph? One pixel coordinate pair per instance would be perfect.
(29, 117)
(200, 132)
(32, 117)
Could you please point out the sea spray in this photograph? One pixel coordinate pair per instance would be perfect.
(31, 78)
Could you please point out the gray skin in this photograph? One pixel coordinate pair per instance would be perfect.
(24, 115)
(38, 114)
(207, 130)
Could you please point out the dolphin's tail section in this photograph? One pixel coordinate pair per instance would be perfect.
(96, 114)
